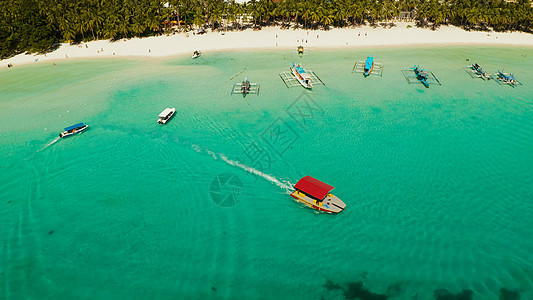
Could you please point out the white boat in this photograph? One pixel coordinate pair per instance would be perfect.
(74, 129)
(303, 77)
(165, 115)
(196, 53)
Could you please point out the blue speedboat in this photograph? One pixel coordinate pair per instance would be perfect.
(369, 65)
(74, 129)
(421, 75)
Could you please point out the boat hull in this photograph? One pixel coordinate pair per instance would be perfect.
(369, 66)
(330, 204)
(65, 134)
(300, 79)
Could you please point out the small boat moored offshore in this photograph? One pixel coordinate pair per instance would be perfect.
(165, 115)
(302, 76)
(300, 50)
(476, 71)
(369, 65)
(315, 194)
(74, 129)
(196, 53)
(245, 86)
(479, 71)
(507, 79)
(421, 76)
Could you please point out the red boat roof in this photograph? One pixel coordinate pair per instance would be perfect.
(313, 187)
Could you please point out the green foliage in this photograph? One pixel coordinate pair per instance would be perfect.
(35, 25)
(23, 28)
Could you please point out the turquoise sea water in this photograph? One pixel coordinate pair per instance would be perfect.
(438, 182)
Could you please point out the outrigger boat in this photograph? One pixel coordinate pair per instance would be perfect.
(245, 86)
(421, 75)
(508, 79)
(165, 115)
(300, 50)
(196, 53)
(478, 70)
(369, 65)
(302, 76)
(74, 129)
(316, 194)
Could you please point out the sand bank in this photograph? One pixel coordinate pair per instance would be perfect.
(271, 38)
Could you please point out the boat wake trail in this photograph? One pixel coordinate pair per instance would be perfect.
(285, 185)
(50, 144)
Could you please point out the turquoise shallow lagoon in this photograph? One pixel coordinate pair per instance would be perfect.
(438, 181)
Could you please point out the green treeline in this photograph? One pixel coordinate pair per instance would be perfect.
(36, 25)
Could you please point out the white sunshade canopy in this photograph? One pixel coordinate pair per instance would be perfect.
(166, 112)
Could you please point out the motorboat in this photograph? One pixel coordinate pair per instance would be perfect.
(316, 194)
(196, 54)
(165, 115)
(74, 129)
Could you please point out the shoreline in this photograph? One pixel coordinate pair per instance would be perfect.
(271, 38)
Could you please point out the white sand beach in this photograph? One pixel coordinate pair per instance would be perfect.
(271, 38)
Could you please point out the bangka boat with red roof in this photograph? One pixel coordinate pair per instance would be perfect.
(316, 194)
